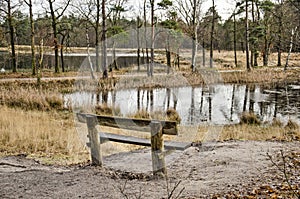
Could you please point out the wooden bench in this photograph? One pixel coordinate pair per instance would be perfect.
(157, 128)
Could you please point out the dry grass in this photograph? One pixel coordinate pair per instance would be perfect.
(52, 136)
(249, 118)
(141, 114)
(225, 59)
(104, 109)
(246, 132)
(264, 75)
(31, 99)
(170, 114)
(40, 134)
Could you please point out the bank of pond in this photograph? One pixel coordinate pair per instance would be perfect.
(217, 104)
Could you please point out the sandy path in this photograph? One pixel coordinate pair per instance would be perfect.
(233, 166)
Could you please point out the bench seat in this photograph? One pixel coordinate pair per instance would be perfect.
(169, 145)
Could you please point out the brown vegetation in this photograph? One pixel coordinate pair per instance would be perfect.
(32, 99)
(52, 136)
(104, 109)
(49, 135)
(29, 129)
(170, 114)
(249, 118)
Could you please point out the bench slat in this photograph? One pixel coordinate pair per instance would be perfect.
(169, 127)
(170, 145)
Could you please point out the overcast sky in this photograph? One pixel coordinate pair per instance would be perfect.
(224, 7)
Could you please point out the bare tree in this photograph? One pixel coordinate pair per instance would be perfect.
(103, 40)
(90, 11)
(212, 34)
(234, 37)
(279, 17)
(145, 36)
(33, 60)
(291, 47)
(138, 26)
(8, 7)
(152, 36)
(97, 31)
(247, 36)
(117, 7)
(190, 11)
(56, 12)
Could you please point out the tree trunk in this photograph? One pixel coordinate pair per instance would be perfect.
(62, 61)
(104, 47)
(97, 36)
(212, 36)
(115, 64)
(55, 40)
(178, 57)
(194, 54)
(234, 40)
(279, 42)
(88, 52)
(210, 104)
(232, 103)
(33, 59)
(194, 24)
(203, 53)
(290, 50)
(266, 50)
(12, 37)
(152, 37)
(254, 47)
(145, 38)
(168, 55)
(41, 57)
(138, 43)
(245, 98)
(247, 38)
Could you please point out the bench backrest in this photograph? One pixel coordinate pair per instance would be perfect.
(168, 127)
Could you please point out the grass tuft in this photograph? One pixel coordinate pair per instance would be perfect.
(104, 109)
(141, 114)
(31, 99)
(292, 125)
(55, 102)
(40, 134)
(173, 115)
(277, 123)
(249, 118)
(170, 114)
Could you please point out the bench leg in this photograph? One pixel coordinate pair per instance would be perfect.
(96, 156)
(157, 149)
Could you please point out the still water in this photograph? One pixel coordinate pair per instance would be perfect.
(217, 104)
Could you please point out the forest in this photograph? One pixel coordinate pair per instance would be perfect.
(255, 27)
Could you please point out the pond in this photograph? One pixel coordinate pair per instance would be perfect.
(218, 104)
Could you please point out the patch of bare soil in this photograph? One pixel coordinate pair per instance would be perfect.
(233, 169)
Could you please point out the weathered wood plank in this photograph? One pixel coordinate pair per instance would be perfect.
(94, 136)
(124, 139)
(157, 149)
(168, 127)
(169, 145)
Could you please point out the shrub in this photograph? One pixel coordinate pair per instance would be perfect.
(141, 114)
(292, 125)
(55, 101)
(173, 115)
(277, 122)
(249, 118)
(104, 109)
(170, 114)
